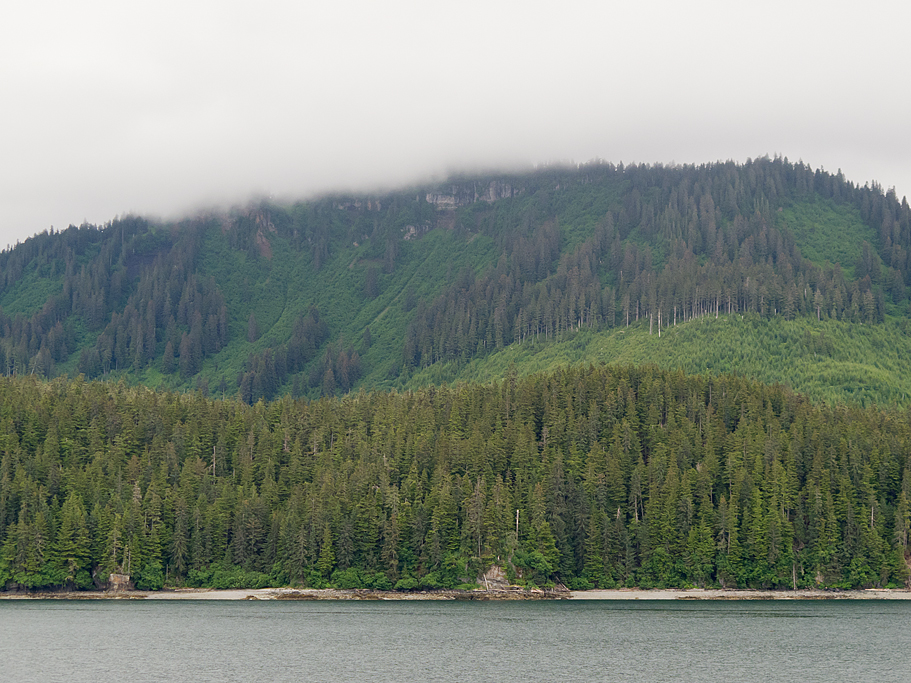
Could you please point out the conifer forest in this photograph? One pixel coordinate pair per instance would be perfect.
(599, 376)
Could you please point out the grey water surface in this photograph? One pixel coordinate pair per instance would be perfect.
(630, 641)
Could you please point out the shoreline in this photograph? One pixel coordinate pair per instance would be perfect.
(312, 594)
(306, 594)
(741, 594)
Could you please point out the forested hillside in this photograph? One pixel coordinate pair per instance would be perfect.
(603, 476)
(829, 361)
(322, 297)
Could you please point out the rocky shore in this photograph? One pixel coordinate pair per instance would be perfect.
(296, 594)
(467, 595)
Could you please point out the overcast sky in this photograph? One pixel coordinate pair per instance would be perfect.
(161, 107)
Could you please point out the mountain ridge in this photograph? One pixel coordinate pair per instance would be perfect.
(352, 291)
(613, 325)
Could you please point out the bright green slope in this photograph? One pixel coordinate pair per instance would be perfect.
(829, 361)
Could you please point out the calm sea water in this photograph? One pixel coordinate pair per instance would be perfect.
(446, 641)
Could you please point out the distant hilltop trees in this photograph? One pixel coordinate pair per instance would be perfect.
(271, 300)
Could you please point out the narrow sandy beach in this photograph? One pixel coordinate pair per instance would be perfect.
(619, 594)
(291, 594)
(331, 594)
(732, 594)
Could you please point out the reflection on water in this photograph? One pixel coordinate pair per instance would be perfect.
(451, 641)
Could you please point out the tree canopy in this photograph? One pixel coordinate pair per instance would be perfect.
(595, 477)
(277, 299)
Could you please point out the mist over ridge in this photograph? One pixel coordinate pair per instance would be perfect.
(157, 111)
(458, 279)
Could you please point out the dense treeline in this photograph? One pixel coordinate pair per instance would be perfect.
(598, 247)
(265, 372)
(171, 306)
(683, 243)
(603, 476)
(132, 289)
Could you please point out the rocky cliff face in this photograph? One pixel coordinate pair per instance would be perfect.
(119, 583)
(461, 195)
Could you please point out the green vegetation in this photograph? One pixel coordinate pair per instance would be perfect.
(438, 283)
(828, 233)
(829, 361)
(29, 294)
(620, 476)
(674, 468)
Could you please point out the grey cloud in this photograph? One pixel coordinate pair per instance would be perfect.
(162, 107)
